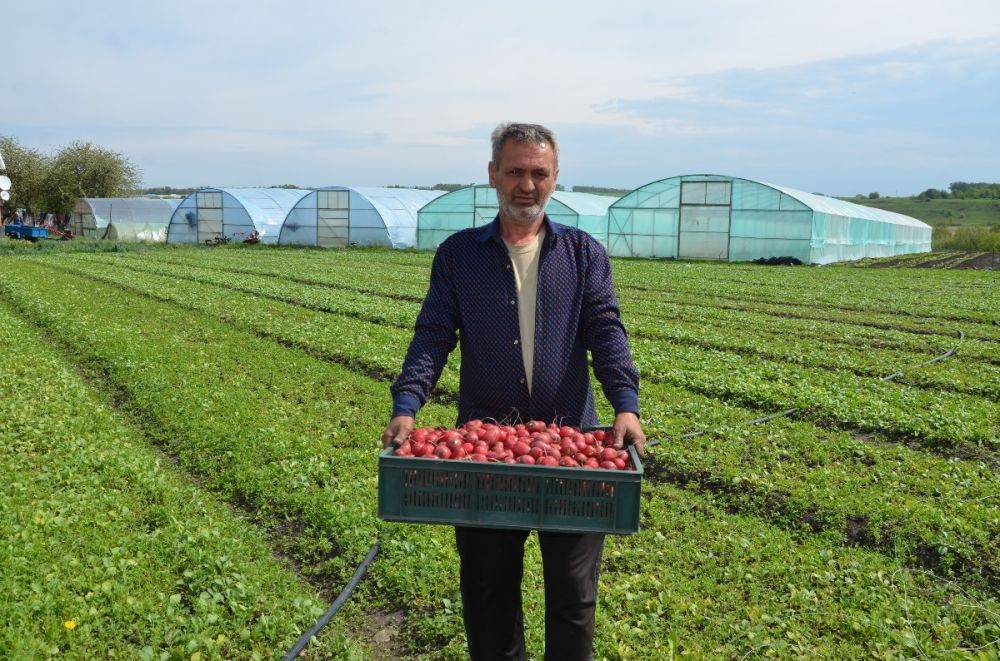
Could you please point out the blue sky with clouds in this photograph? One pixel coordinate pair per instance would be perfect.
(836, 97)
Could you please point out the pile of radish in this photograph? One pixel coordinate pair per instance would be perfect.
(532, 443)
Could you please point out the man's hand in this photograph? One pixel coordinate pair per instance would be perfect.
(628, 429)
(397, 431)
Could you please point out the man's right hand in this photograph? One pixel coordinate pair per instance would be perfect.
(397, 431)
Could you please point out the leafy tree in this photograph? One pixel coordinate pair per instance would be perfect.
(933, 194)
(83, 169)
(976, 191)
(873, 196)
(27, 169)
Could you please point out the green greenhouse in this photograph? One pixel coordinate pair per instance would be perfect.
(477, 205)
(730, 218)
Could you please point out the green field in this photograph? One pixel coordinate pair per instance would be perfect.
(189, 441)
(940, 212)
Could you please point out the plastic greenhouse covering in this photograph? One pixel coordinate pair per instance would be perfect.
(477, 205)
(123, 218)
(734, 219)
(337, 216)
(212, 213)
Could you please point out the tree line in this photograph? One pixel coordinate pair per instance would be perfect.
(52, 182)
(963, 190)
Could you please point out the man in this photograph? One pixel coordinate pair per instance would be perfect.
(527, 298)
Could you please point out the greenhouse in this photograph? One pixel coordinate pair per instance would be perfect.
(122, 218)
(734, 219)
(337, 216)
(234, 213)
(477, 205)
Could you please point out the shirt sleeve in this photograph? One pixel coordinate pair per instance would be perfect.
(435, 336)
(605, 335)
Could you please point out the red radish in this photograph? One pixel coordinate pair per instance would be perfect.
(568, 462)
(474, 424)
(442, 452)
(481, 448)
(600, 435)
(468, 447)
(472, 436)
(608, 454)
(460, 453)
(566, 431)
(581, 458)
(521, 448)
(591, 463)
(610, 465)
(589, 451)
(420, 435)
(479, 457)
(619, 463)
(536, 425)
(537, 453)
(549, 461)
(588, 438)
(526, 459)
(509, 460)
(490, 435)
(429, 450)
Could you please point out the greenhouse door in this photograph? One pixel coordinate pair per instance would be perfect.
(704, 223)
(209, 216)
(333, 210)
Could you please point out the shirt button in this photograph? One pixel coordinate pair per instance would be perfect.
(522, 380)
(516, 341)
(513, 302)
(508, 266)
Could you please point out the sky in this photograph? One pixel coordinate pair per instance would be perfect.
(837, 97)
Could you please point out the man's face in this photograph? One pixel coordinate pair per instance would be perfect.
(524, 179)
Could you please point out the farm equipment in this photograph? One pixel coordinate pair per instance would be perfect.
(26, 232)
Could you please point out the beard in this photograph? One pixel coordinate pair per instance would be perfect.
(521, 215)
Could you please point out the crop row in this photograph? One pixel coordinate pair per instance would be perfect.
(740, 287)
(832, 397)
(821, 480)
(293, 439)
(106, 550)
(973, 378)
(371, 277)
(956, 296)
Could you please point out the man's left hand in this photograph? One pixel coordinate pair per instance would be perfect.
(628, 430)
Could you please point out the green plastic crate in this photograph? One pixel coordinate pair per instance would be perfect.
(498, 495)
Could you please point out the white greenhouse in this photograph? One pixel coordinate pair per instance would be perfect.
(338, 216)
(123, 218)
(234, 213)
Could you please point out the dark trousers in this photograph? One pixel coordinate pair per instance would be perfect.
(492, 566)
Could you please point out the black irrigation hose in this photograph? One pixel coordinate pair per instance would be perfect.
(362, 569)
(337, 604)
(787, 412)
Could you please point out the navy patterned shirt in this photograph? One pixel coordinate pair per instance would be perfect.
(472, 299)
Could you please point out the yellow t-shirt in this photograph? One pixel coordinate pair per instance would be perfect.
(525, 261)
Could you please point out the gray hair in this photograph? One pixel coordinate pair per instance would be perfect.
(523, 133)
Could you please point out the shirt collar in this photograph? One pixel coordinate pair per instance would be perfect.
(492, 231)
